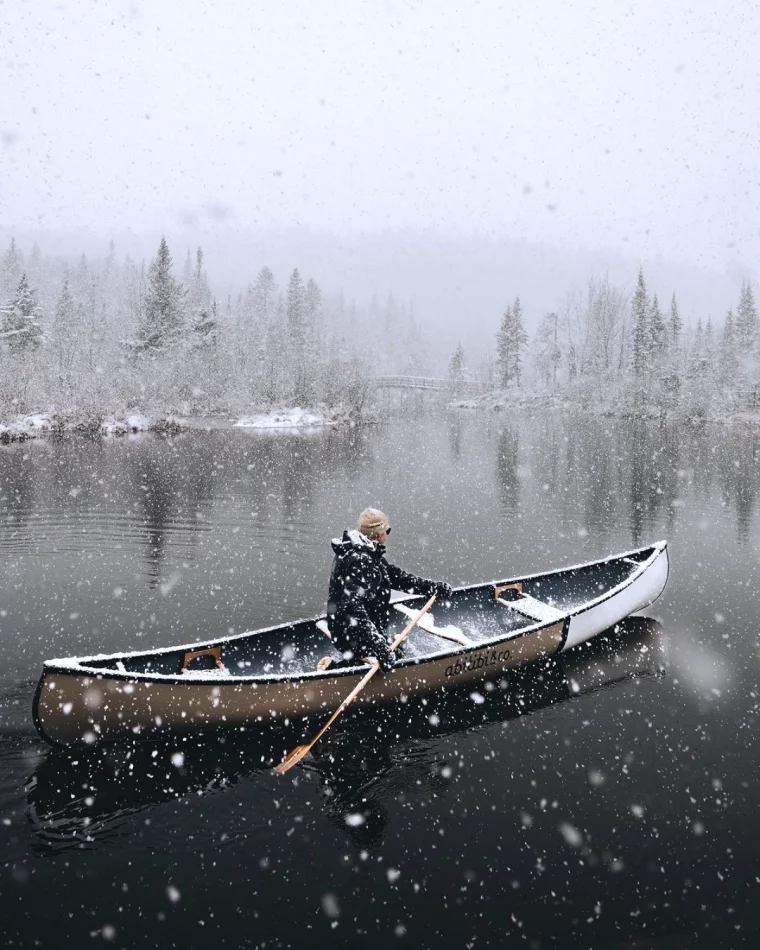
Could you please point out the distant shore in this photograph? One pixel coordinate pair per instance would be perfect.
(34, 425)
(630, 408)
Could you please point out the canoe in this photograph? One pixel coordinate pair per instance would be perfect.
(80, 795)
(293, 670)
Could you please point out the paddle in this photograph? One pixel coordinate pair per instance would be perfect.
(295, 755)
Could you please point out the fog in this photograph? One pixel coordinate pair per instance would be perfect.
(455, 155)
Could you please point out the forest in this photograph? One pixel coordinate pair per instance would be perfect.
(106, 337)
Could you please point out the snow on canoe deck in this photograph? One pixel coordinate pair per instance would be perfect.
(276, 672)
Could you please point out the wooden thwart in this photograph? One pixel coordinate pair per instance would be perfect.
(295, 755)
(525, 604)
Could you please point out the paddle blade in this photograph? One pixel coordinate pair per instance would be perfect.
(292, 758)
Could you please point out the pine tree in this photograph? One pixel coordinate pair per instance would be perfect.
(675, 324)
(65, 327)
(729, 342)
(312, 304)
(263, 296)
(199, 302)
(520, 340)
(295, 312)
(699, 337)
(456, 371)
(657, 331)
(11, 268)
(504, 349)
(294, 309)
(204, 327)
(641, 333)
(511, 340)
(745, 324)
(548, 350)
(162, 316)
(20, 328)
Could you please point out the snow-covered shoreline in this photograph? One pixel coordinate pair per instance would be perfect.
(295, 418)
(719, 414)
(46, 423)
(38, 424)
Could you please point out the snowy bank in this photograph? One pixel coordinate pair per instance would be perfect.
(295, 418)
(37, 424)
(717, 407)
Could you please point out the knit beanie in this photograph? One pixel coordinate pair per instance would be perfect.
(372, 522)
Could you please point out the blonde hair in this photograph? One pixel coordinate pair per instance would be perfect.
(372, 522)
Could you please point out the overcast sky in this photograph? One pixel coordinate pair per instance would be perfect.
(602, 125)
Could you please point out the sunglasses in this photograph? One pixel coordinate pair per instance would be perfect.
(388, 530)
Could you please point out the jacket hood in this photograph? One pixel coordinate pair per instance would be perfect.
(354, 540)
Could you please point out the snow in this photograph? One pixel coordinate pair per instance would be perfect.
(37, 424)
(295, 418)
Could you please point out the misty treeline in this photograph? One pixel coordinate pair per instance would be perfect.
(108, 336)
(623, 351)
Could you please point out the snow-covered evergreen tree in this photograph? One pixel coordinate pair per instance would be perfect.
(20, 323)
(204, 326)
(162, 314)
(745, 323)
(65, 328)
(641, 347)
(675, 324)
(504, 348)
(548, 349)
(199, 303)
(511, 340)
(456, 372)
(264, 296)
(657, 330)
(728, 351)
(11, 268)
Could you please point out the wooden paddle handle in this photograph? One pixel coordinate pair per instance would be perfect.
(372, 670)
(412, 623)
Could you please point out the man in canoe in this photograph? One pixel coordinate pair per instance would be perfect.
(358, 604)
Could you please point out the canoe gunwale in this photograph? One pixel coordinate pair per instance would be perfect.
(77, 666)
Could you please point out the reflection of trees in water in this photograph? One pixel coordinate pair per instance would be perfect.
(290, 470)
(640, 471)
(17, 478)
(737, 477)
(507, 465)
(454, 426)
(171, 480)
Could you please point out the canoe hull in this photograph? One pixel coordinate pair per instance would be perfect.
(638, 595)
(79, 702)
(71, 709)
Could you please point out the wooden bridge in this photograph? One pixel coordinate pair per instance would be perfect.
(430, 383)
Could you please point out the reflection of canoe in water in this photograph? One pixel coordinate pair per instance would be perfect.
(272, 675)
(85, 794)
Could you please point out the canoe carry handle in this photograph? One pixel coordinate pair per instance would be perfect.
(216, 652)
(503, 593)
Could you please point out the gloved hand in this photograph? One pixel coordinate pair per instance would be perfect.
(443, 590)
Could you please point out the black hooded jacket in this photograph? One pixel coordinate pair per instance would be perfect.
(358, 602)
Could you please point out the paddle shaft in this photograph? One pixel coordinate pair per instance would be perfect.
(300, 751)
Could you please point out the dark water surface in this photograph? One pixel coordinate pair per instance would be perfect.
(608, 800)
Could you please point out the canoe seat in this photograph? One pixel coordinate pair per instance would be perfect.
(530, 607)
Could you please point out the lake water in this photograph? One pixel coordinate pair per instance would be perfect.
(606, 801)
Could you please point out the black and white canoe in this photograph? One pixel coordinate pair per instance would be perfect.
(293, 670)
